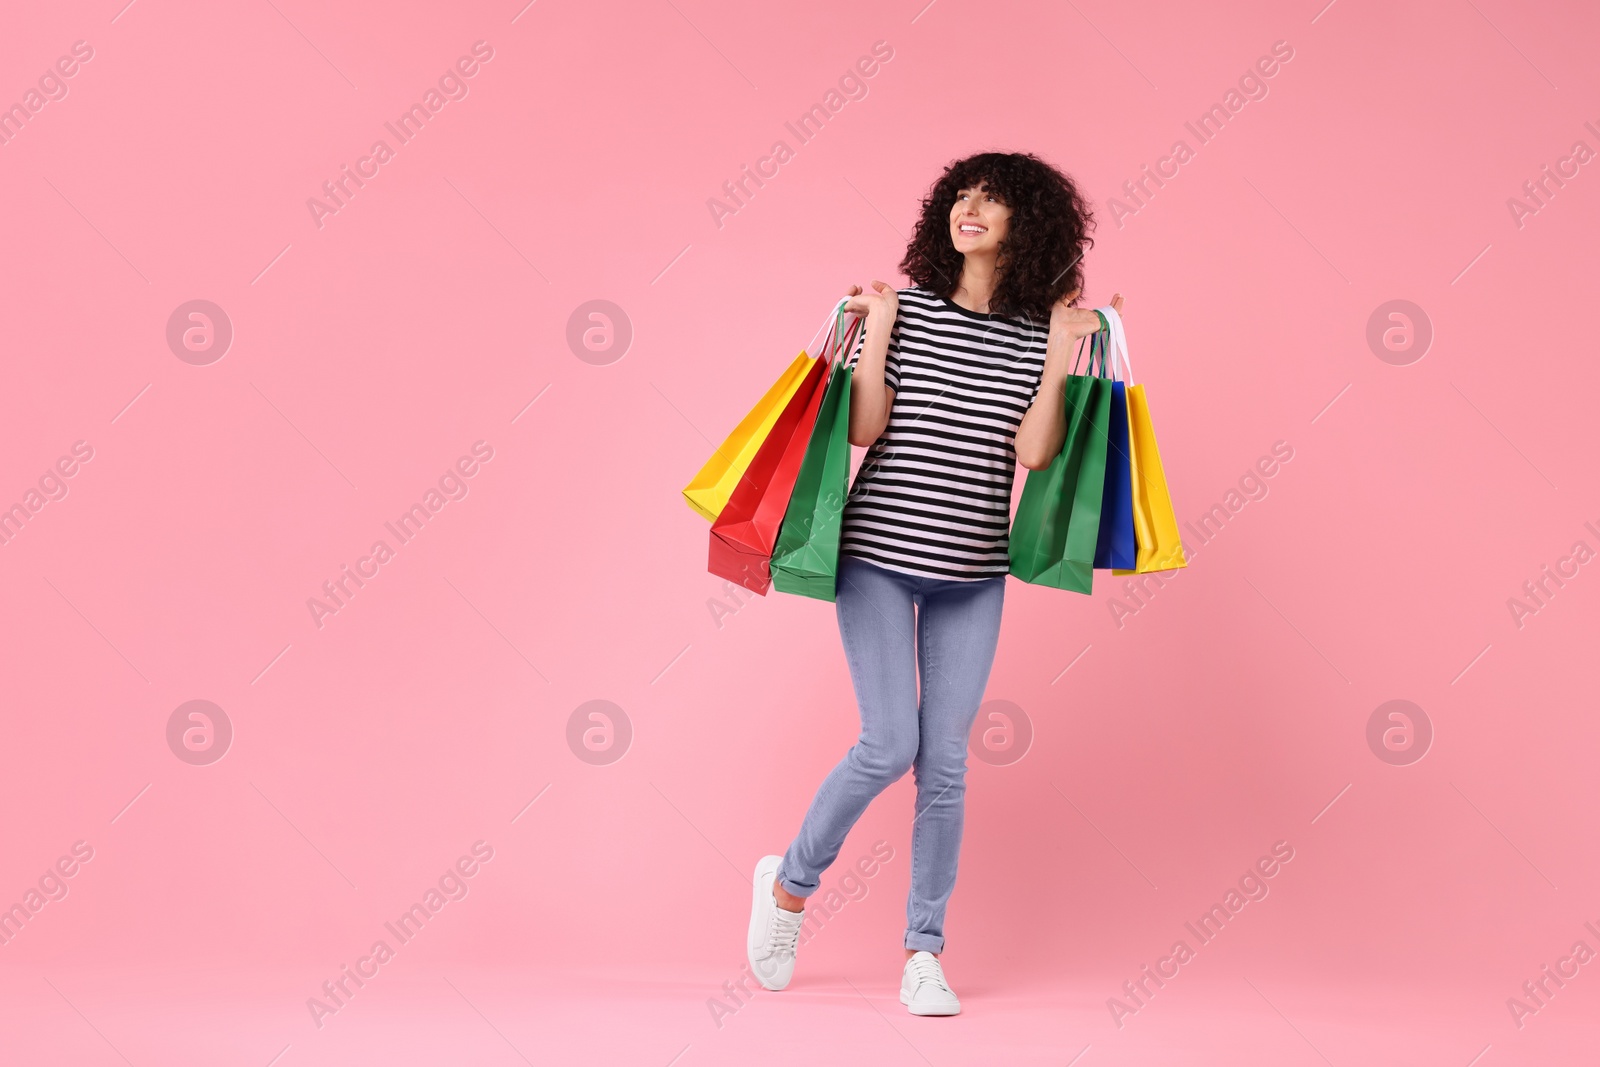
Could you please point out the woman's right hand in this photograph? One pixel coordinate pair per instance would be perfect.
(870, 395)
(879, 306)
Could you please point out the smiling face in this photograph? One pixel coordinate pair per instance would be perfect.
(978, 221)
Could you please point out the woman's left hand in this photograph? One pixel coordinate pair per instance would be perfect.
(1073, 323)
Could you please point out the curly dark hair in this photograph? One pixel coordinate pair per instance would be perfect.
(1041, 258)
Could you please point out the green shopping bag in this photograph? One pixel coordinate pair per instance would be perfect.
(1057, 524)
(805, 559)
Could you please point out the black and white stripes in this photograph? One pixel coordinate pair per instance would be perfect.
(933, 494)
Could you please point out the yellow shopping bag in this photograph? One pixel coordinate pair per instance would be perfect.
(709, 490)
(1155, 526)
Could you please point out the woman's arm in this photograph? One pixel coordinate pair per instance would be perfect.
(1043, 429)
(870, 398)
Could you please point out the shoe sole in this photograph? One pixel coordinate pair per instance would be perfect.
(906, 1000)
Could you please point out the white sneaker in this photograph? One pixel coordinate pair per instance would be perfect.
(923, 989)
(774, 932)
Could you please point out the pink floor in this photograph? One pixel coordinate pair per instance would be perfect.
(467, 1016)
(424, 1015)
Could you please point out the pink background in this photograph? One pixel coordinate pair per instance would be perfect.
(432, 309)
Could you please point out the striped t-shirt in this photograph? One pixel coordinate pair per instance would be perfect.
(933, 494)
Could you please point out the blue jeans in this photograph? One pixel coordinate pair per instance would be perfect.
(957, 630)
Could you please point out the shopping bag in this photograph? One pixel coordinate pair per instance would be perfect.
(1057, 525)
(1155, 525)
(1117, 545)
(805, 560)
(708, 491)
(745, 533)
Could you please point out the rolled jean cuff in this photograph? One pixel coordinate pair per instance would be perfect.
(923, 942)
(794, 889)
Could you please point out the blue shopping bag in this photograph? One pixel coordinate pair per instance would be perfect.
(1115, 547)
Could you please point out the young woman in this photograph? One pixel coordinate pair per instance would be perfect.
(955, 379)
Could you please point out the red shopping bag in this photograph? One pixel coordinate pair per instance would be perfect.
(743, 535)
